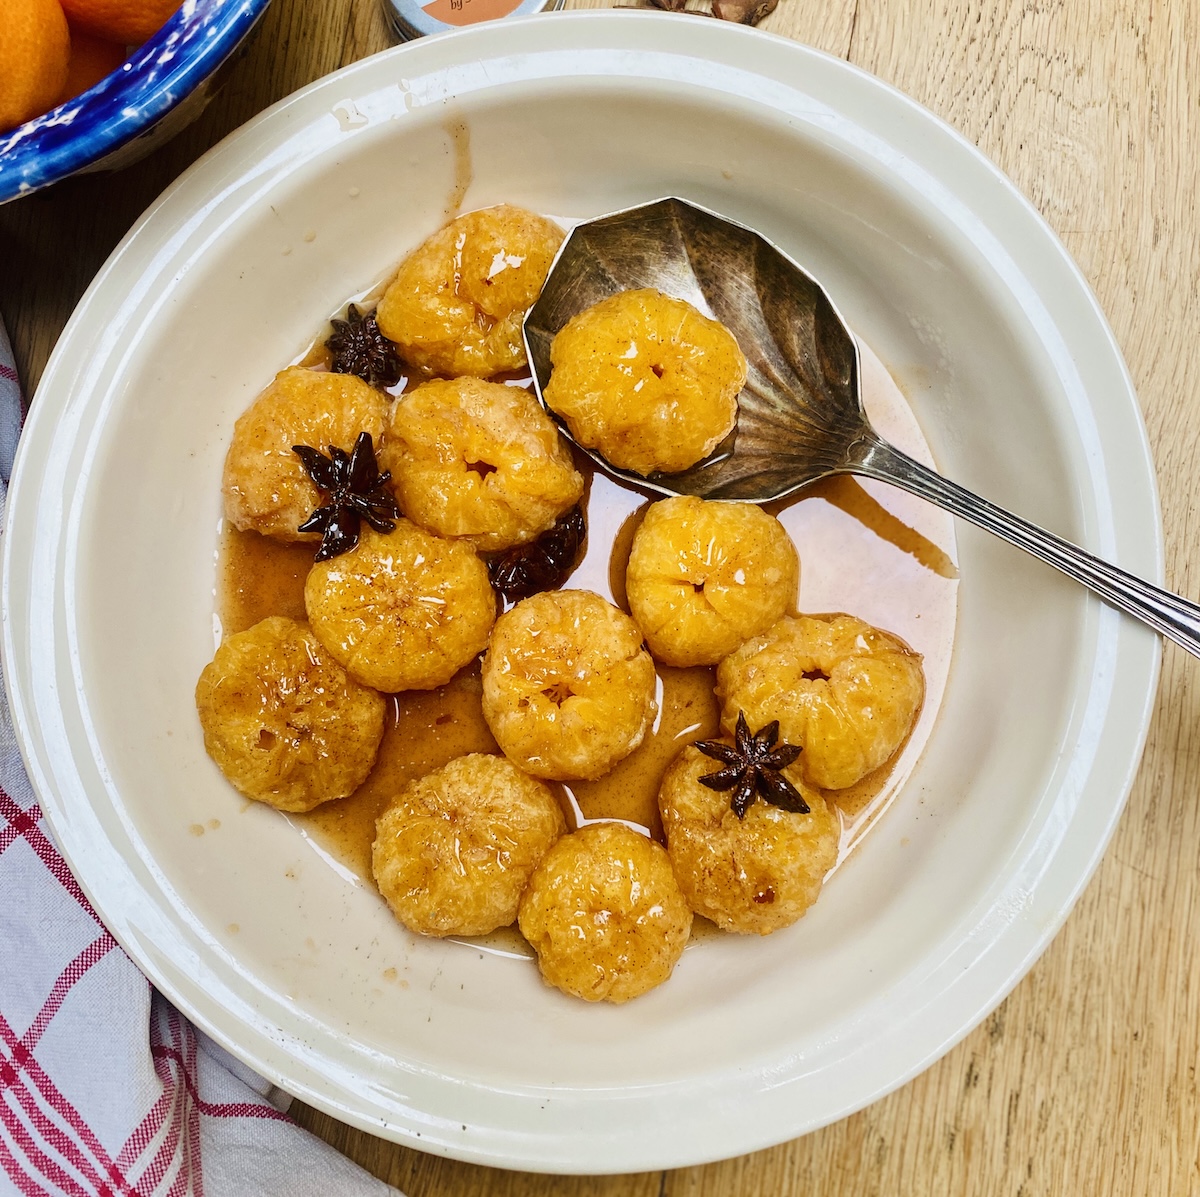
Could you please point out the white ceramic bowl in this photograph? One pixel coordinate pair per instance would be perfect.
(109, 575)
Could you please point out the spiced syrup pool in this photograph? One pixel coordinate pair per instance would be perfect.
(865, 549)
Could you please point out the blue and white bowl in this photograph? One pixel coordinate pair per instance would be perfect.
(162, 87)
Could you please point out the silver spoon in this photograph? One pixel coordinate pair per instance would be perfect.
(800, 415)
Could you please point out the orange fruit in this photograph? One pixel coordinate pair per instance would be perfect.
(91, 59)
(34, 50)
(128, 22)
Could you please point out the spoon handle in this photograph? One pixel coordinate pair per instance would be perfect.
(1175, 617)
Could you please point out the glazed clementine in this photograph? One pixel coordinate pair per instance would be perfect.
(35, 47)
(127, 22)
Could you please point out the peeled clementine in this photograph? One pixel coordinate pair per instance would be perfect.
(34, 50)
(91, 59)
(128, 22)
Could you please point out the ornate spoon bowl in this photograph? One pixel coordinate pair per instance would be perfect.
(800, 414)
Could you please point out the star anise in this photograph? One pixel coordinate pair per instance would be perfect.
(357, 491)
(754, 768)
(358, 347)
(746, 12)
(542, 564)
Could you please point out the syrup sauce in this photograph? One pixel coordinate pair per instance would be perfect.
(865, 548)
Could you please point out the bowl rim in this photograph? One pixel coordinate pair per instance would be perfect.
(1130, 650)
(126, 103)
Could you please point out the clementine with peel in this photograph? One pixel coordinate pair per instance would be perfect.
(128, 22)
(35, 47)
(91, 59)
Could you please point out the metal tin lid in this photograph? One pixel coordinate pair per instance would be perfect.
(414, 18)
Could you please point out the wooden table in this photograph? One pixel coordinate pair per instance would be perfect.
(1084, 1080)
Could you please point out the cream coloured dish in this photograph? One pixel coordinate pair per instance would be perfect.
(946, 274)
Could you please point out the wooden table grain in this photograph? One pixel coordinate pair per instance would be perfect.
(1084, 1080)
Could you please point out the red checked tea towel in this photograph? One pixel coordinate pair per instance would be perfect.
(105, 1089)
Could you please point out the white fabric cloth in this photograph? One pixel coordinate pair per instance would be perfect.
(105, 1089)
